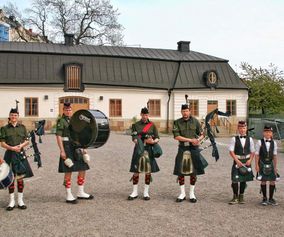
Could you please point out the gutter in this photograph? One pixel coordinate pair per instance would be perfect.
(169, 97)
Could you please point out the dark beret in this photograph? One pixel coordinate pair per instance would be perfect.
(14, 111)
(144, 111)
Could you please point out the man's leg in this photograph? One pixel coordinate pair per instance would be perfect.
(147, 185)
(67, 183)
(81, 181)
(192, 197)
(182, 195)
(21, 204)
(11, 190)
(135, 180)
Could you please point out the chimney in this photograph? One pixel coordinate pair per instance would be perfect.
(69, 39)
(183, 46)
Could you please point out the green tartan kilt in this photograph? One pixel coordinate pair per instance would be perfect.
(236, 176)
(198, 161)
(19, 165)
(267, 175)
(79, 164)
(134, 166)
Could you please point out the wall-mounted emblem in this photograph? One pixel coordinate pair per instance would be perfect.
(211, 78)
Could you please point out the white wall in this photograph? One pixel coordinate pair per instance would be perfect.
(241, 97)
(132, 100)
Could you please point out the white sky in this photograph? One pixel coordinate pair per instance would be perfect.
(238, 30)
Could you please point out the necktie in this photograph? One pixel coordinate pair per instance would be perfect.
(267, 140)
(243, 136)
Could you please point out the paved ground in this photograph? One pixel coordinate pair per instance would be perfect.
(110, 214)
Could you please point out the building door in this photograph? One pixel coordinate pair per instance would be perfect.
(211, 105)
(77, 102)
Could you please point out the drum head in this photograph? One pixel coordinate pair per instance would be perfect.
(4, 170)
(86, 127)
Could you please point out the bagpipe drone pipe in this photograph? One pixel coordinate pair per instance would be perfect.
(39, 131)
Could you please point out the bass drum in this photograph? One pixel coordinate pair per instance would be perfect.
(89, 128)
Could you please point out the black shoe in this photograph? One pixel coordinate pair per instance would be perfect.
(264, 202)
(180, 200)
(272, 202)
(193, 200)
(10, 208)
(146, 198)
(23, 207)
(72, 201)
(87, 198)
(131, 198)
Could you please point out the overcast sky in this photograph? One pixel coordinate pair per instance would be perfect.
(238, 30)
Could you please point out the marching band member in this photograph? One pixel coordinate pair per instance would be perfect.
(266, 164)
(241, 150)
(145, 136)
(187, 130)
(14, 138)
(70, 161)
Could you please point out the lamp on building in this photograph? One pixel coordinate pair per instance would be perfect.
(45, 97)
(101, 98)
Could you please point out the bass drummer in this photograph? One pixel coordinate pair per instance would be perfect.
(70, 159)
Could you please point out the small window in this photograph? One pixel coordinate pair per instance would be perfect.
(194, 107)
(115, 108)
(31, 106)
(154, 107)
(73, 77)
(232, 107)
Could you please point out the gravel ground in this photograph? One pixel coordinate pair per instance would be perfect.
(110, 214)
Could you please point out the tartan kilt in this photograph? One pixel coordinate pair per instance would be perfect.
(198, 164)
(79, 164)
(265, 176)
(18, 164)
(135, 159)
(236, 176)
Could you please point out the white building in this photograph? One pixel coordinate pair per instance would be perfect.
(119, 81)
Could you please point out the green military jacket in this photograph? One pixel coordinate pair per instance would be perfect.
(62, 126)
(14, 136)
(190, 128)
(138, 127)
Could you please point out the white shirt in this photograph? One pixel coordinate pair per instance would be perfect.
(243, 142)
(267, 144)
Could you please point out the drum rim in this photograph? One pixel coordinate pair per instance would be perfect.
(94, 137)
(6, 170)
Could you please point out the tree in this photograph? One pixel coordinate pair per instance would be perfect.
(266, 91)
(91, 21)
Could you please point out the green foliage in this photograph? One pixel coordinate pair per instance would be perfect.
(266, 89)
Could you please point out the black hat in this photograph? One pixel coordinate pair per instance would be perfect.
(67, 105)
(14, 111)
(185, 106)
(267, 128)
(242, 123)
(144, 110)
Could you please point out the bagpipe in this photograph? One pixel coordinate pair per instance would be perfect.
(39, 131)
(208, 132)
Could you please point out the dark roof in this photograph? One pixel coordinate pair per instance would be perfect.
(39, 63)
(112, 51)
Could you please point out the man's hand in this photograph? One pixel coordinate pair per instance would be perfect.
(248, 162)
(135, 141)
(63, 155)
(194, 142)
(150, 140)
(17, 148)
(1, 161)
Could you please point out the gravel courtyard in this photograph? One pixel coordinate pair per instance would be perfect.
(111, 214)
